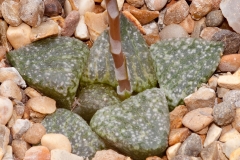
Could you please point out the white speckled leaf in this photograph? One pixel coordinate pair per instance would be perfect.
(182, 64)
(138, 127)
(100, 68)
(53, 66)
(84, 141)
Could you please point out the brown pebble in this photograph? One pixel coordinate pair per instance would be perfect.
(37, 153)
(35, 133)
(71, 23)
(229, 63)
(19, 148)
(177, 115)
(52, 8)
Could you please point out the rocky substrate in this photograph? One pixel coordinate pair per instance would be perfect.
(205, 127)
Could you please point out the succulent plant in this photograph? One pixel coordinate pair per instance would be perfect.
(182, 64)
(94, 97)
(84, 141)
(100, 66)
(137, 127)
(53, 66)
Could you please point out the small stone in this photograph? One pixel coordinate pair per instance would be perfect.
(36, 117)
(216, 4)
(155, 5)
(4, 139)
(188, 24)
(230, 39)
(43, 104)
(19, 36)
(203, 97)
(52, 8)
(176, 116)
(3, 35)
(182, 157)
(70, 23)
(223, 113)
(6, 110)
(221, 92)
(198, 27)
(18, 111)
(30, 92)
(213, 134)
(44, 30)
(3, 52)
(96, 23)
(151, 28)
(108, 154)
(178, 135)
(19, 148)
(35, 133)
(225, 129)
(151, 38)
(198, 119)
(235, 155)
(208, 32)
(85, 6)
(212, 82)
(192, 146)
(203, 131)
(143, 16)
(10, 12)
(119, 3)
(58, 154)
(37, 153)
(200, 8)
(31, 12)
(231, 145)
(232, 96)
(229, 63)
(231, 134)
(176, 13)
(231, 81)
(19, 128)
(9, 88)
(10, 73)
(9, 154)
(230, 10)
(214, 18)
(56, 141)
(62, 2)
(173, 31)
(172, 151)
(81, 31)
(161, 25)
(150, 158)
(136, 3)
(236, 122)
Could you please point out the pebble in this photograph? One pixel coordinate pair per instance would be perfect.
(96, 23)
(200, 8)
(151, 28)
(198, 27)
(43, 104)
(135, 3)
(213, 152)
(119, 3)
(18, 111)
(230, 10)
(44, 30)
(31, 12)
(34, 134)
(58, 154)
(231, 81)
(203, 97)
(10, 73)
(198, 119)
(151, 38)
(19, 128)
(223, 113)
(173, 31)
(4, 139)
(62, 2)
(236, 122)
(235, 155)
(176, 116)
(3, 52)
(9, 154)
(231, 145)
(143, 16)
(36, 116)
(155, 5)
(172, 151)
(108, 154)
(188, 24)
(10, 12)
(19, 36)
(37, 153)
(150, 158)
(19, 148)
(178, 135)
(203, 131)
(216, 4)
(214, 18)
(182, 157)
(176, 13)
(231, 134)
(52, 8)
(30, 92)
(213, 134)
(232, 96)
(229, 63)
(81, 31)
(6, 110)
(192, 146)
(3, 35)
(56, 141)
(208, 32)
(84, 6)
(160, 22)
(9, 88)
(221, 91)
(231, 40)
(70, 23)
(212, 82)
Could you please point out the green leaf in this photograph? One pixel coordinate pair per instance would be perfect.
(137, 127)
(52, 66)
(83, 140)
(182, 64)
(100, 68)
